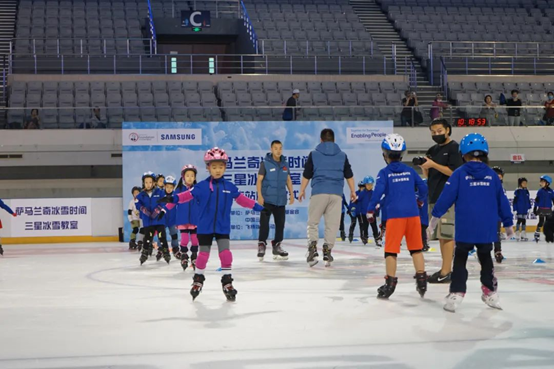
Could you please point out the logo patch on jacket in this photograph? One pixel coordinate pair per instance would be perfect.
(226, 191)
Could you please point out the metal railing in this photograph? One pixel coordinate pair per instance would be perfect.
(308, 47)
(491, 49)
(204, 64)
(37, 44)
(498, 65)
(113, 116)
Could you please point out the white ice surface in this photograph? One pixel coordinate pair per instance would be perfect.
(93, 306)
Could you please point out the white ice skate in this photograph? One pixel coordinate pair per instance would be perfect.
(524, 237)
(452, 301)
(490, 298)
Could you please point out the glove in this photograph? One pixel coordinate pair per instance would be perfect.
(161, 215)
(14, 215)
(536, 210)
(169, 199)
(370, 216)
(420, 204)
(431, 228)
(510, 233)
(145, 211)
(258, 207)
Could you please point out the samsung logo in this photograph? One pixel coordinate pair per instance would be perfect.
(178, 136)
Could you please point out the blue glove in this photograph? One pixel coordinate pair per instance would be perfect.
(258, 207)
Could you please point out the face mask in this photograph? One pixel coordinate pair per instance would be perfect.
(440, 139)
(550, 97)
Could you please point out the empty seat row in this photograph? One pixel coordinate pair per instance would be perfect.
(311, 87)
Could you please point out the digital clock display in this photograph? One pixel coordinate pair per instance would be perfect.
(471, 122)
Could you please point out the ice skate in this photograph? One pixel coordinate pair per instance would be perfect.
(498, 256)
(132, 245)
(184, 261)
(193, 257)
(425, 246)
(278, 252)
(228, 289)
(197, 284)
(386, 290)
(524, 236)
(166, 255)
(490, 298)
(139, 246)
(364, 240)
(176, 253)
(312, 255)
(158, 255)
(1, 250)
(439, 278)
(537, 237)
(350, 238)
(327, 257)
(502, 237)
(518, 236)
(421, 283)
(261, 250)
(378, 244)
(453, 301)
(343, 235)
(143, 257)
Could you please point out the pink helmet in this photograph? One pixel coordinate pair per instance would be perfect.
(188, 167)
(215, 154)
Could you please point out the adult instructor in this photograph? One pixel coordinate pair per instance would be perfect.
(327, 167)
(273, 181)
(442, 160)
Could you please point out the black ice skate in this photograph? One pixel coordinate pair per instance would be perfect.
(193, 257)
(143, 256)
(312, 255)
(343, 235)
(278, 252)
(498, 256)
(386, 290)
(364, 240)
(184, 261)
(261, 250)
(438, 278)
(421, 283)
(350, 238)
(537, 237)
(166, 255)
(197, 284)
(327, 257)
(1, 250)
(139, 246)
(425, 246)
(158, 255)
(132, 245)
(228, 289)
(378, 244)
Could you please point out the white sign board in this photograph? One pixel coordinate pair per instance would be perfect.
(517, 158)
(163, 137)
(51, 217)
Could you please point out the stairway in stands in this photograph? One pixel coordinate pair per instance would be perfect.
(385, 35)
(8, 12)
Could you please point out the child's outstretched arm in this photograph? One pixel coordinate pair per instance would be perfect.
(504, 209)
(378, 191)
(7, 208)
(140, 207)
(248, 203)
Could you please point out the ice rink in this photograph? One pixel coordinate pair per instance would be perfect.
(93, 306)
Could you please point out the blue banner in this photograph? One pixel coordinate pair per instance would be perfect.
(166, 147)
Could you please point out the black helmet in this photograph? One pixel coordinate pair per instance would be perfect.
(520, 180)
(498, 170)
(135, 188)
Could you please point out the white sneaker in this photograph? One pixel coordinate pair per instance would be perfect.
(490, 298)
(452, 301)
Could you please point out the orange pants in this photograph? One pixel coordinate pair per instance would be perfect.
(397, 229)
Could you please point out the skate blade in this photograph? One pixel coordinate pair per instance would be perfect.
(450, 310)
(260, 258)
(277, 257)
(328, 264)
(382, 297)
(313, 263)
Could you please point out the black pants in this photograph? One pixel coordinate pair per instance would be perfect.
(279, 218)
(424, 233)
(353, 221)
(521, 223)
(459, 271)
(149, 233)
(341, 228)
(364, 226)
(498, 243)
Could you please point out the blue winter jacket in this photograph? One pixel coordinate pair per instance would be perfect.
(480, 200)
(522, 201)
(187, 213)
(5, 207)
(398, 182)
(148, 207)
(274, 185)
(329, 161)
(424, 209)
(355, 206)
(215, 198)
(544, 198)
(170, 217)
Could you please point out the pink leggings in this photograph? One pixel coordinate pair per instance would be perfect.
(185, 238)
(225, 255)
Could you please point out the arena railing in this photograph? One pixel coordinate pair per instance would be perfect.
(149, 44)
(306, 47)
(205, 64)
(152, 30)
(111, 117)
(491, 49)
(249, 26)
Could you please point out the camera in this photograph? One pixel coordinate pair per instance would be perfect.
(419, 160)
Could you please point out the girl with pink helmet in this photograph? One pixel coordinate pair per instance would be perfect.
(215, 197)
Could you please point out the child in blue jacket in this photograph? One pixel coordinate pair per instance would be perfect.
(215, 196)
(344, 210)
(521, 206)
(9, 210)
(498, 243)
(398, 183)
(369, 182)
(543, 203)
(476, 191)
(354, 210)
(147, 203)
(170, 219)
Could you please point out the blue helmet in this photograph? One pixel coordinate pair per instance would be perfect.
(147, 175)
(393, 142)
(170, 180)
(547, 178)
(474, 142)
(368, 180)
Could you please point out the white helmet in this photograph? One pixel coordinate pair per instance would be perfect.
(394, 144)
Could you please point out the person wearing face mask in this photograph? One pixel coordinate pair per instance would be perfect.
(549, 107)
(438, 105)
(514, 109)
(442, 159)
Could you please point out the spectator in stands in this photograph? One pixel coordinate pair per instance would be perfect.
(549, 107)
(409, 102)
(97, 120)
(489, 111)
(514, 109)
(291, 111)
(34, 121)
(438, 105)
